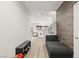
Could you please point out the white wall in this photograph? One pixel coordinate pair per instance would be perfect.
(14, 27)
(76, 30)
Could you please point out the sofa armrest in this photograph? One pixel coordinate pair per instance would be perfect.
(52, 38)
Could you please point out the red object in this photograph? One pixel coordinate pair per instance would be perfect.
(20, 55)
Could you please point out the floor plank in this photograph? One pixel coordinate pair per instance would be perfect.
(38, 49)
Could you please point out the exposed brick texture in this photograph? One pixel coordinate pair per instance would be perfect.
(65, 23)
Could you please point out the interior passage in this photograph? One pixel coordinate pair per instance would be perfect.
(38, 49)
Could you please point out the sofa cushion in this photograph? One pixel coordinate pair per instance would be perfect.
(52, 38)
(56, 49)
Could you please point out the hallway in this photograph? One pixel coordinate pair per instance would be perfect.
(38, 29)
(38, 49)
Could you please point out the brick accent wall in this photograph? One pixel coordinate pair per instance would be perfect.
(65, 23)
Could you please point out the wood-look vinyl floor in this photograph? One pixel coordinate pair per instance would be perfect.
(38, 49)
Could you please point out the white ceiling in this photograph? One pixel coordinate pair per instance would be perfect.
(42, 7)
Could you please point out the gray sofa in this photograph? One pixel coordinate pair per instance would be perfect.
(57, 49)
